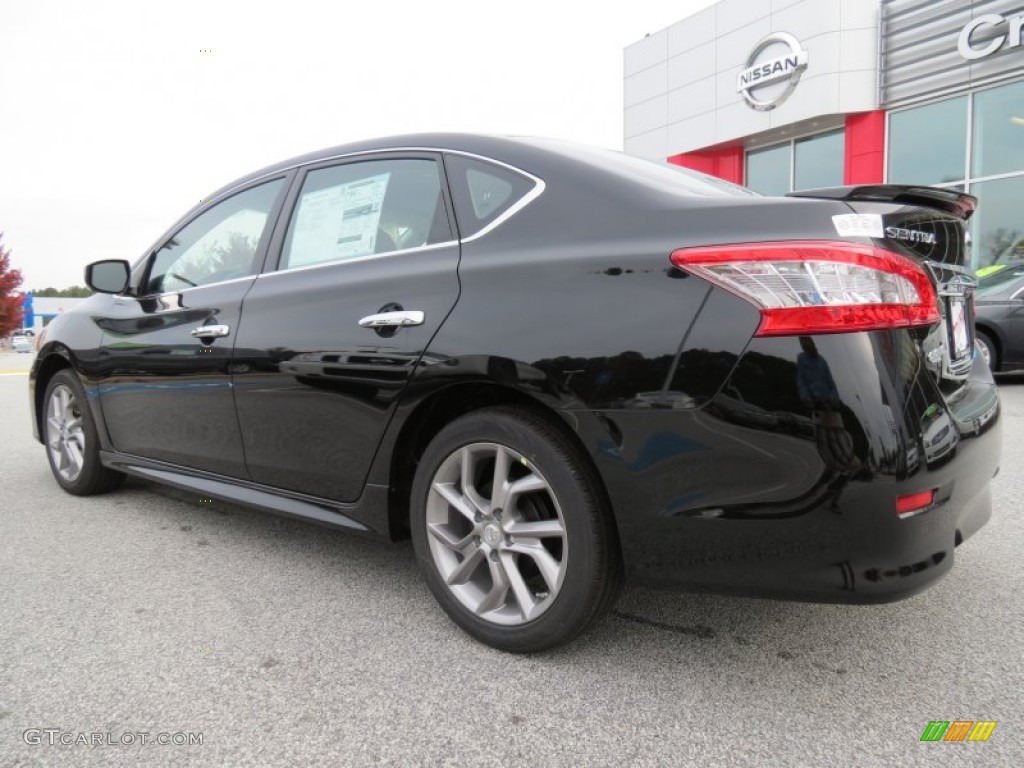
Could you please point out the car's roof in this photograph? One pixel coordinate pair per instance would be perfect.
(532, 154)
(492, 146)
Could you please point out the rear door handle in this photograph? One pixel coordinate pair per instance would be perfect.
(397, 319)
(211, 331)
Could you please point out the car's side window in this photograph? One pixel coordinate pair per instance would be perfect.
(483, 191)
(363, 208)
(219, 244)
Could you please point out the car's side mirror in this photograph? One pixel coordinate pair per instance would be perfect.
(108, 276)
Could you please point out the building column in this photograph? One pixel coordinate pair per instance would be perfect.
(864, 158)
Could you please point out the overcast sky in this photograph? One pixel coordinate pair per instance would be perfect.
(118, 116)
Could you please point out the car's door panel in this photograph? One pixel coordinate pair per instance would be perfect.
(148, 353)
(162, 341)
(314, 387)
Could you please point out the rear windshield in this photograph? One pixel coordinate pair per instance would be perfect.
(663, 176)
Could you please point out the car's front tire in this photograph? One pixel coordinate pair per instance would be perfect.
(512, 532)
(72, 444)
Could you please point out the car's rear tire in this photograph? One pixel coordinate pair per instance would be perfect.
(72, 444)
(523, 564)
(987, 349)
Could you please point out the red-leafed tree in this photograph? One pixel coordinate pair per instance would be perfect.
(10, 299)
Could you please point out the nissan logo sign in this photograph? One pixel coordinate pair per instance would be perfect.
(969, 50)
(772, 71)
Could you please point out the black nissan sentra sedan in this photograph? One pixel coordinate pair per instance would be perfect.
(556, 369)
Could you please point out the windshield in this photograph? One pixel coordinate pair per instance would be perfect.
(1004, 280)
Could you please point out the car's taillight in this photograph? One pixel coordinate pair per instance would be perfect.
(818, 286)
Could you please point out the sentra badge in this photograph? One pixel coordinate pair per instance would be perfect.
(911, 235)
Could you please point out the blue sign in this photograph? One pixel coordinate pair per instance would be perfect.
(29, 316)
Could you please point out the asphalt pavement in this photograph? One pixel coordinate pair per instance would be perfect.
(148, 614)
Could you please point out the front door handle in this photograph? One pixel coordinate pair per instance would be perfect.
(211, 331)
(398, 319)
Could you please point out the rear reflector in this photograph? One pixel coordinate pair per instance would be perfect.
(818, 286)
(914, 502)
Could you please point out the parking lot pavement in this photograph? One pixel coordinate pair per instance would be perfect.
(281, 643)
(15, 362)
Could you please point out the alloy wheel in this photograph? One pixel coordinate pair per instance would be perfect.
(65, 435)
(496, 533)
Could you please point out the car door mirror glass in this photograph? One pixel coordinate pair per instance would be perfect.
(109, 276)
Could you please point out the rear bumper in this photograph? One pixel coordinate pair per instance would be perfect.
(780, 507)
(852, 550)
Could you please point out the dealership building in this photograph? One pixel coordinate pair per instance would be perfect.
(795, 94)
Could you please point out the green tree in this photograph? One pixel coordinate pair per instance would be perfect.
(74, 292)
(11, 300)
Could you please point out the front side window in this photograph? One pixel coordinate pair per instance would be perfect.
(220, 244)
(364, 208)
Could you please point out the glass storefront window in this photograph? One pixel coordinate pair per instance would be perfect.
(927, 145)
(997, 228)
(998, 131)
(768, 170)
(818, 161)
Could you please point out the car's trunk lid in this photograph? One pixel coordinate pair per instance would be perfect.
(927, 225)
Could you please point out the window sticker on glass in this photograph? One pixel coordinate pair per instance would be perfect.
(340, 222)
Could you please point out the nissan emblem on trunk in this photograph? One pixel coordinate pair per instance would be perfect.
(772, 71)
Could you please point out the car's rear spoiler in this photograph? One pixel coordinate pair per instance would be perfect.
(947, 200)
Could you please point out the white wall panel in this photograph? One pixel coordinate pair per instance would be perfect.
(691, 66)
(691, 32)
(807, 20)
(704, 54)
(858, 49)
(646, 84)
(857, 89)
(858, 14)
(653, 145)
(646, 53)
(646, 116)
(693, 99)
(696, 131)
